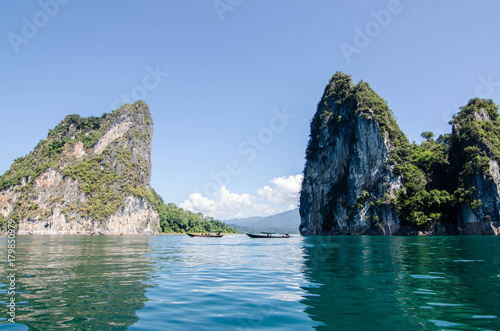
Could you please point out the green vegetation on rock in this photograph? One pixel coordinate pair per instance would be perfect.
(3, 223)
(88, 169)
(365, 102)
(102, 185)
(176, 220)
(439, 175)
(436, 176)
(62, 138)
(342, 105)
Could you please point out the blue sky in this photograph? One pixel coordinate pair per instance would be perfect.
(233, 84)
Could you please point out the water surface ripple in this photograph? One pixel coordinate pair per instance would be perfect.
(239, 283)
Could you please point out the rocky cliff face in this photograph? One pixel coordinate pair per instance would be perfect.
(90, 176)
(363, 177)
(349, 177)
(475, 146)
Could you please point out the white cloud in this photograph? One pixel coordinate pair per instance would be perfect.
(232, 201)
(282, 195)
(198, 202)
(285, 191)
(223, 203)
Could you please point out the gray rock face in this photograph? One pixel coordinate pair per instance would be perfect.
(98, 189)
(363, 177)
(348, 182)
(484, 217)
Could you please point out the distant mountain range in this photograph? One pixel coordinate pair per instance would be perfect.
(286, 222)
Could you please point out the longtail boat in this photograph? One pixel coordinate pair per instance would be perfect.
(268, 235)
(206, 235)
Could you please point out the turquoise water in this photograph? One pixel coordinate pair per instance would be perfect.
(239, 283)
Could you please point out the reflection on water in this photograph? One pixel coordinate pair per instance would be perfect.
(81, 282)
(229, 283)
(411, 283)
(239, 283)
